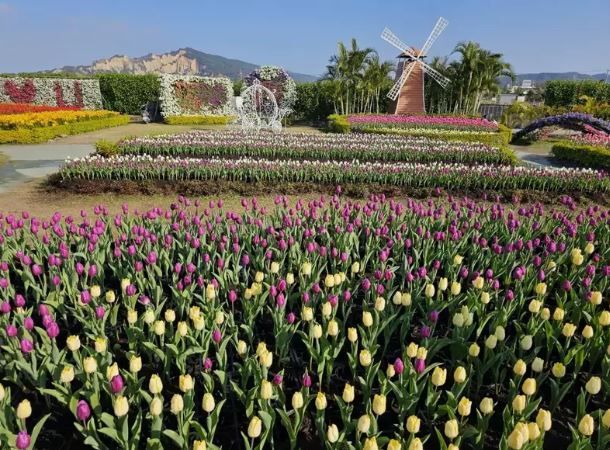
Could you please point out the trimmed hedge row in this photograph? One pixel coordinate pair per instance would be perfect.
(127, 93)
(339, 124)
(43, 134)
(199, 120)
(587, 155)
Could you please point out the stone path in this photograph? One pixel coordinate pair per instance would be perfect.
(34, 161)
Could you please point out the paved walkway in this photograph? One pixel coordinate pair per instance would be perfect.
(34, 161)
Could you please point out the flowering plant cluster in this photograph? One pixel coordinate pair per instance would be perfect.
(353, 325)
(345, 147)
(599, 139)
(422, 122)
(20, 108)
(413, 175)
(50, 118)
(81, 94)
(278, 81)
(573, 120)
(190, 95)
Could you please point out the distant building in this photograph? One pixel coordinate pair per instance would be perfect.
(527, 84)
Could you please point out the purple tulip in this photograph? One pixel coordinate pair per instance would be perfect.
(399, 366)
(83, 411)
(207, 364)
(290, 318)
(100, 312)
(217, 336)
(420, 365)
(11, 330)
(424, 331)
(28, 323)
(434, 316)
(5, 307)
(277, 379)
(566, 285)
(26, 345)
(85, 297)
(306, 380)
(232, 296)
(116, 384)
(53, 330)
(23, 440)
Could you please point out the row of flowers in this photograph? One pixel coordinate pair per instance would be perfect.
(342, 324)
(422, 122)
(50, 118)
(602, 140)
(415, 175)
(346, 147)
(20, 108)
(59, 92)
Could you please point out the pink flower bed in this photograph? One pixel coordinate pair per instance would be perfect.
(423, 121)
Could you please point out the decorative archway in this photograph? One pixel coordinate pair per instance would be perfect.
(572, 121)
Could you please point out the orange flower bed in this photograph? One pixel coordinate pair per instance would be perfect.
(21, 108)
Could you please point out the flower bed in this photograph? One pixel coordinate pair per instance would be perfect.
(189, 95)
(82, 94)
(455, 176)
(20, 108)
(422, 122)
(50, 118)
(229, 144)
(336, 324)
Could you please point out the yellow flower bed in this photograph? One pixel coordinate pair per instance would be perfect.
(50, 118)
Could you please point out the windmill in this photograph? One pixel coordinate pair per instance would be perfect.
(407, 94)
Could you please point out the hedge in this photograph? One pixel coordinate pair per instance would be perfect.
(43, 134)
(127, 93)
(586, 155)
(338, 123)
(567, 93)
(199, 120)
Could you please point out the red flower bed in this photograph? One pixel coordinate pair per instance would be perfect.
(20, 108)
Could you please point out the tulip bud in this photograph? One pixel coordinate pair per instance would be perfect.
(155, 385)
(464, 407)
(412, 350)
(370, 444)
(364, 423)
(320, 401)
(405, 299)
(307, 314)
(456, 288)
(156, 406)
(543, 420)
(89, 364)
(112, 371)
(529, 386)
(500, 333)
(297, 400)
(83, 411)
(429, 291)
(135, 364)
(397, 298)
(185, 383)
(332, 434)
(422, 353)
(73, 343)
(176, 404)
(439, 376)
(520, 367)
(533, 431)
(519, 403)
(379, 404)
(121, 406)
(594, 385)
(606, 419)
(66, 376)
(266, 390)
(474, 350)
(586, 426)
(534, 306)
(416, 444)
(459, 376)
(199, 445)
(558, 314)
(491, 342)
(394, 445)
(487, 406)
(100, 344)
(596, 298)
(367, 319)
(365, 358)
(207, 403)
(132, 316)
(352, 334)
(348, 393)
(443, 284)
(24, 409)
(316, 331)
(413, 424)
(558, 370)
(452, 429)
(23, 440)
(515, 440)
(538, 365)
(255, 427)
(333, 328)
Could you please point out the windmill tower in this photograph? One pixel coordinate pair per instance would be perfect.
(407, 94)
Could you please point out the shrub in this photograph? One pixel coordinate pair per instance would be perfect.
(565, 93)
(106, 148)
(199, 120)
(127, 93)
(312, 103)
(43, 134)
(338, 124)
(586, 155)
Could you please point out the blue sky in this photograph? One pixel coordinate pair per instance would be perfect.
(534, 35)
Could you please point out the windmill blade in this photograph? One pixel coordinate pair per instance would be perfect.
(393, 94)
(442, 80)
(441, 24)
(392, 39)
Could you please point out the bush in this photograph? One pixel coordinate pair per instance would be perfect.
(585, 155)
(107, 148)
(338, 124)
(312, 102)
(564, 93)
(127, 93)
(43, 134)
(199, 120)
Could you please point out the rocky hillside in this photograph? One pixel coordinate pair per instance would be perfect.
(186, 61)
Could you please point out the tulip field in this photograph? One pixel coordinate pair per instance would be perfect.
(329, 324)
(450, 123)
(326, 161)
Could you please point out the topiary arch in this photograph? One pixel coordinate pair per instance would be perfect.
(573, 121)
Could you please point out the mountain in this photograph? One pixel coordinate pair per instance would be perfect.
(185, 61)
(542, 77)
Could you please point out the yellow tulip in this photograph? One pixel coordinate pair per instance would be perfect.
(121, 406)
(208, 403)
(524, 431)
(459, 376)
(529, 386)
(456, 288)
(305, 269)
(370, 444)
(422, 352)
(316, 331)
(297, 400)
(545, 314)
(439, 376)
(587, 332)
(112, 371)
(558, 370)
(500, 333)
(24, 409)
(320, 401)
(519, 403)
(176, 404)
(329, 281)
(199, 445)
(429, 292)
(412, 350)
(568, 330)
(132, 316)
(185, 383)
(596, 297)
(289, 279)
(606, 419)
(170, 315)
(604, 318)
(356, 267)
(464, 407)
(259, 277)
(73, 343)
(534, 431)
(558, 314)
(474, 350)
(242, 347)
(155, 385)
(540, 288)
(443, 283)
(394, 445)
(96, 291)
(526, 342)
(515, 440)
(365, 358)
(586, 426)
(594, 385)
(416, 444)
(66, 376)
(327, 309)
(255, 427)
(379, 304)
(348, 393)
(397, 298)
(332, 434)
(367, 319)
(307, 314)
(452, 429)
(89, 364)
(352, 334)
(413, 424)
(534, 306)
(101, 344)
(364, 423)
(485, 298)
(110, 297)
(182, 329)
(487, 406)
(379, 404)
(156, 407)
(457, 260)
(538, 365)
(543, 420)
(491, 342)
(405, 299)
